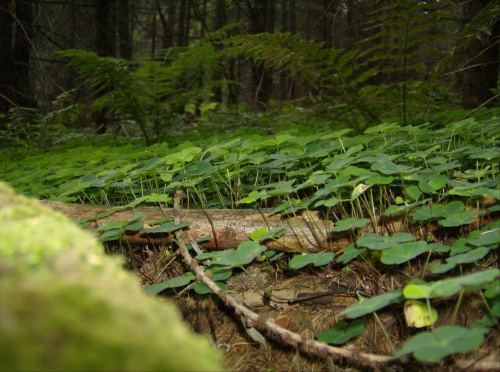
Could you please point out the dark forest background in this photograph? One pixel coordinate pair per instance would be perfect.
(160, 64)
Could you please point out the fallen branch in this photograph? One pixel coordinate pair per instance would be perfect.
(254, 320)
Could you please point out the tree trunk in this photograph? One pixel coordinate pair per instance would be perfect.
(181, 34)
(480, 80)
(23, 93)
(261, 20)
(219, 22)
(6, 21)
(105, 44)
(124, 30)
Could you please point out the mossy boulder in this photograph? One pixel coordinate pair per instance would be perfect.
(66, 305)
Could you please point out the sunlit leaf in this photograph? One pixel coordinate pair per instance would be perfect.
(417, 314)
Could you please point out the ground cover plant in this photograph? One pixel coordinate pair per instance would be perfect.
(421, 201)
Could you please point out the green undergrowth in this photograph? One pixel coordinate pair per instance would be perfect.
(439, 180)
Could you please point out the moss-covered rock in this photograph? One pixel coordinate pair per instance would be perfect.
(65, 305)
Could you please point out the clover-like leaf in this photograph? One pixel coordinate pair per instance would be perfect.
(262, 233)
(243, 255)
(426, 213)
(486, 238)
(417, 288)
(459, 219)
(342, 332)
(350, 223)
(318, 259)
(350, 253)
(202, 288)
(492, 290)
(370, 305)
(178, 281)
(447, 340)
(379, 242)
(403, 252)
(468, 257)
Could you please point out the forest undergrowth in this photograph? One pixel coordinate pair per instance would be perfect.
(416, 205)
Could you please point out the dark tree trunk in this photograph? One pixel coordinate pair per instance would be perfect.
(105, 34)
(181, 34)
(168, 22)
(284, 28)
(6, 21)
(261, 20)
(124, 30)
(219, 22)
(480, 80)
(292, 14)
(21, 83)
(153, 33)
(105, 43)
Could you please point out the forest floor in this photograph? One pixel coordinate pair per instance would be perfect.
(309, 301)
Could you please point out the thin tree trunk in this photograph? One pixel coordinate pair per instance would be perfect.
(261, 20)
(21, 81)
(480, 80)
(124, 31)
(6, 22)
(105, 43)
(181, 34)
(219, 22)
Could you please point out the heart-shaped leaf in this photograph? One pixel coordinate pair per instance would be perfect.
(370, 305)
(447, 340)
(350, 223)
(403, 252)
(178, 281)
(318, 259)
(342, 332)
(350, 253)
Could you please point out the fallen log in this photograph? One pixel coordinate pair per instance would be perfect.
(227, 227)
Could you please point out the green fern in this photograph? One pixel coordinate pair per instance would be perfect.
(154, 93)
(328, 72)
(405, 48)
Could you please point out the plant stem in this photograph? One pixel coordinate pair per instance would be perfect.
(384, 331)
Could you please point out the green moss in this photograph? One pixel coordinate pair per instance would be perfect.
(65, 305)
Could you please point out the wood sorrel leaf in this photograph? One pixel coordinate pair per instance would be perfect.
(342, 332)
(447, 340)
(370, 305)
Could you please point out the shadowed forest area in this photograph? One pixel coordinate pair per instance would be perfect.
(314, 184)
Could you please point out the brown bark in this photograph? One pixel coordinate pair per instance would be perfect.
(227, 227)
